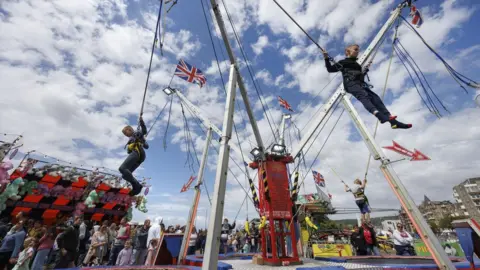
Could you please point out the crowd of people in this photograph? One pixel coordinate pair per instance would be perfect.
(365, 241)
(74, 242)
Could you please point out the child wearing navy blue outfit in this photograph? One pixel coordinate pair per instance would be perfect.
(354, 83)
(136, 154)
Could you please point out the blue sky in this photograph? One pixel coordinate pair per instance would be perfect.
(78, 69)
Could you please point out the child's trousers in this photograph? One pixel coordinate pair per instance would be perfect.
(369, 99)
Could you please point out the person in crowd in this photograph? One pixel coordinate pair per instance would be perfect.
(123, 234)
(97, 246)
(36, 230)
(141, 243)
(4, 227)
(45, 245)
(112, 235)
(226, 231)
(11, 246)
(84, 238)
(403, 242)
(125, 257)
(358, 242)
(68, 244)
(370, 238)
(192, 242)
(450, 250)
(152, 248)
(24, 258)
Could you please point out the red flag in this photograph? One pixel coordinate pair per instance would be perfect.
(417, 19)
(415, 155)
(187, 185)
(284, 103)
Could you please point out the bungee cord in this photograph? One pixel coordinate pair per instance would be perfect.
(428, 101)
(304, 153)
(411, 61)
(188, 141)
(225, 91)
(318, 154)
(414, 84)
(168, 124)
(298, 25)
(459, 78)
(155, 40)
(200, 124)
(257, 87)
(156, 119)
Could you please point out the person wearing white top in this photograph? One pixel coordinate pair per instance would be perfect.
(450, 250)
(403, 242)
(193, 242)
(155, 231)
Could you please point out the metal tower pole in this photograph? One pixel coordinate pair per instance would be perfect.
(193, 210)
(399, 189)
(210, 259)
(408, 204)
(281, 130)
(241, 85)
(208, 123)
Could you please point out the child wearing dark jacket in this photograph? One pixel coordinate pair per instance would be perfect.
(136, 155)
(354, 83)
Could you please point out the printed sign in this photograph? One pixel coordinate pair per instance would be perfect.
(332, 250)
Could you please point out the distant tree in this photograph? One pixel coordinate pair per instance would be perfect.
(434, 226)
(459, 218)
(329, 225)
(445, 222)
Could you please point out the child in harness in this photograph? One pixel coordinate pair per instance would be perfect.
(136, 154)
(360, 199)
(354, 83)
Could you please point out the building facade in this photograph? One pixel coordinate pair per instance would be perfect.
(390, 224)
(467, 195)
(435, 211)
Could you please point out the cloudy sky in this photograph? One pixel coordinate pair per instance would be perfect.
(73, 74)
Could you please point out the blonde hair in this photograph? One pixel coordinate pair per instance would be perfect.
(347, 49)
(125, 128)
(29, 242)
(357, 181)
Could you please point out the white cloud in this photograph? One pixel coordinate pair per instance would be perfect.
(67, 65)
(265, 76)
(70, 60)
(260, 45)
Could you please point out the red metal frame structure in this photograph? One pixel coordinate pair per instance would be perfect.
(276, 205)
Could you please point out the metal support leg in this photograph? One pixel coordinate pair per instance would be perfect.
(193, 210)
(213, 237)
(423, 229)
(241, 85)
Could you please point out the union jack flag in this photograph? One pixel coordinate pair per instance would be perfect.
(190, 73)
(318, 178)
(284, 103)
(417, 19)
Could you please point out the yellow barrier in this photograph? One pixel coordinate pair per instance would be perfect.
(331, 250)
(305, 236)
